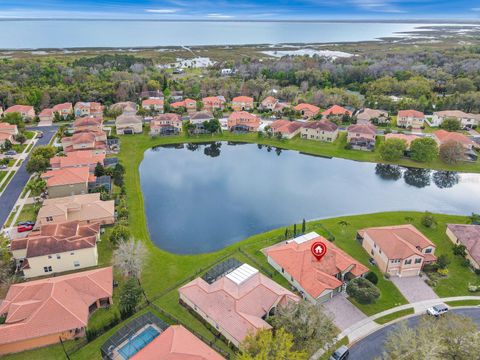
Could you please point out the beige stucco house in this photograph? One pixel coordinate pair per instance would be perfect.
(86, 209)
(321, 130)
(57, 248)
(68, 181)
(129, 124)
(468, 236)
(410, 119)
(398, 250)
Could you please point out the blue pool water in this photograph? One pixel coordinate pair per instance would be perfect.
(138, 342)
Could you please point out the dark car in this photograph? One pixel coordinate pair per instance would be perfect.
(24, 228)
(340, 354)
(26, 223)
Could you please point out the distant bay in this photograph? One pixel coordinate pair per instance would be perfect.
(63, 34)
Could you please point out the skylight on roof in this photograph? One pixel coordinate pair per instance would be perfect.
(306, 237)
(242, 274)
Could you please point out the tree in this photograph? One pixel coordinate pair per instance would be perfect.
(14, 119)
(99, 170)
(392, 149)
(37, 164)
(452, 152)
(310, 326)
(7, 145)
(363, 291)
(451, 124)
(45, 151)
(130, 296)
(130, 257)
(372, 277)
(304, 226)
(428, 220)
(452, 337)
(36, 186)
(20, 138)
(265, 345)
(423, 149)
(443, 261)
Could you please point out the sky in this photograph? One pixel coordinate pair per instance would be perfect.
(242, 9)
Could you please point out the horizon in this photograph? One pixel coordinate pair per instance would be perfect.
(244, 10)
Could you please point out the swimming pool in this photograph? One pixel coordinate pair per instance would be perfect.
(138, 342)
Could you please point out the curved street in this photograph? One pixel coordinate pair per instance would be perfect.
(372, 345)
(15, 187)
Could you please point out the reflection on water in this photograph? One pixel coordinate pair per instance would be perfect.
(203, 197)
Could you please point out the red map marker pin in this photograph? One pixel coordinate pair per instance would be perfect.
(319, 249)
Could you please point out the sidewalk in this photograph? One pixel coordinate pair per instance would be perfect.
(365, 327)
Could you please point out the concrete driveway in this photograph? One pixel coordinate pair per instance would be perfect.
(414, 288)
(344, 313)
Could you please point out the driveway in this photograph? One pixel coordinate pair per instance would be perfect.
(414, 288)
(344, 313)
(14, 188)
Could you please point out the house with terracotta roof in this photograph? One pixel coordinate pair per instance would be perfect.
(78, 158)
(68, 181)
(63, 109)
(40, 313)
(321, 130)
(46, 115)
(128, 124)
(362, 137)
(372, 116)
(88, 123)
(466, 120)
(56, 248)
(317, 281)
(469, 146)
(272, 104)
(177, 343)
(7, 132)
(242, 121)
(336, 111)
(242, 103)
(93, 140)
(212, 103)
(153, 104)
(237, 302)
(82, 109)
(190, 105)
(307, 111)
(86, 209)
(27, 112)
(410, 119)
(285, 128)
(166, 124)
(198, 119)
(398, 250)
(468, 236)
(408, 138)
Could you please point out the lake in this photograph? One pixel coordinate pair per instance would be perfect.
(201, 198)
(35, 34)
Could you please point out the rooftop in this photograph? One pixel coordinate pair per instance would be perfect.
(68, 176)
(336, 110)
(411, 113)
(469, 236)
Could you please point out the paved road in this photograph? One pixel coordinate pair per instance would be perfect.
(14, 189)
(372, 345)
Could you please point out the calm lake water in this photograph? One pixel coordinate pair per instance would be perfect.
(201, 198)
(34, 34)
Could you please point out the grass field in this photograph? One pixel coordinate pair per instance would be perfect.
(463, 303)
(165, 272)
(396, 315)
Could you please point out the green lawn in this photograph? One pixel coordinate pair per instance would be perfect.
(396, 315)
(463, 303)
(29, 213)
(9, 177)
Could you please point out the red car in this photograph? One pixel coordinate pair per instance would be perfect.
(25, 227)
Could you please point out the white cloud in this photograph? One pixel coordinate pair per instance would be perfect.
(161, 11)
(219, 16)
(385, 6)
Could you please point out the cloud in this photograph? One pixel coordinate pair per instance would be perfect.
(385, 6)
(162, 11)
(219, 16)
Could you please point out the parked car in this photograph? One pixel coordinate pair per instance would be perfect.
(40, 135)
(437, 310)
(26, 223)
(10, 152)
(24, 228)
(340, 354)
(3, 167)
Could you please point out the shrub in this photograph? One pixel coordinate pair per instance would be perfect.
(386, 276)
(443, 261)
(428, 220)
(473, 288)
(363, 291)
(443, 272)
(460, 250)
(372, 277)
(423, 149)
(465, 263)
(91, 334)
